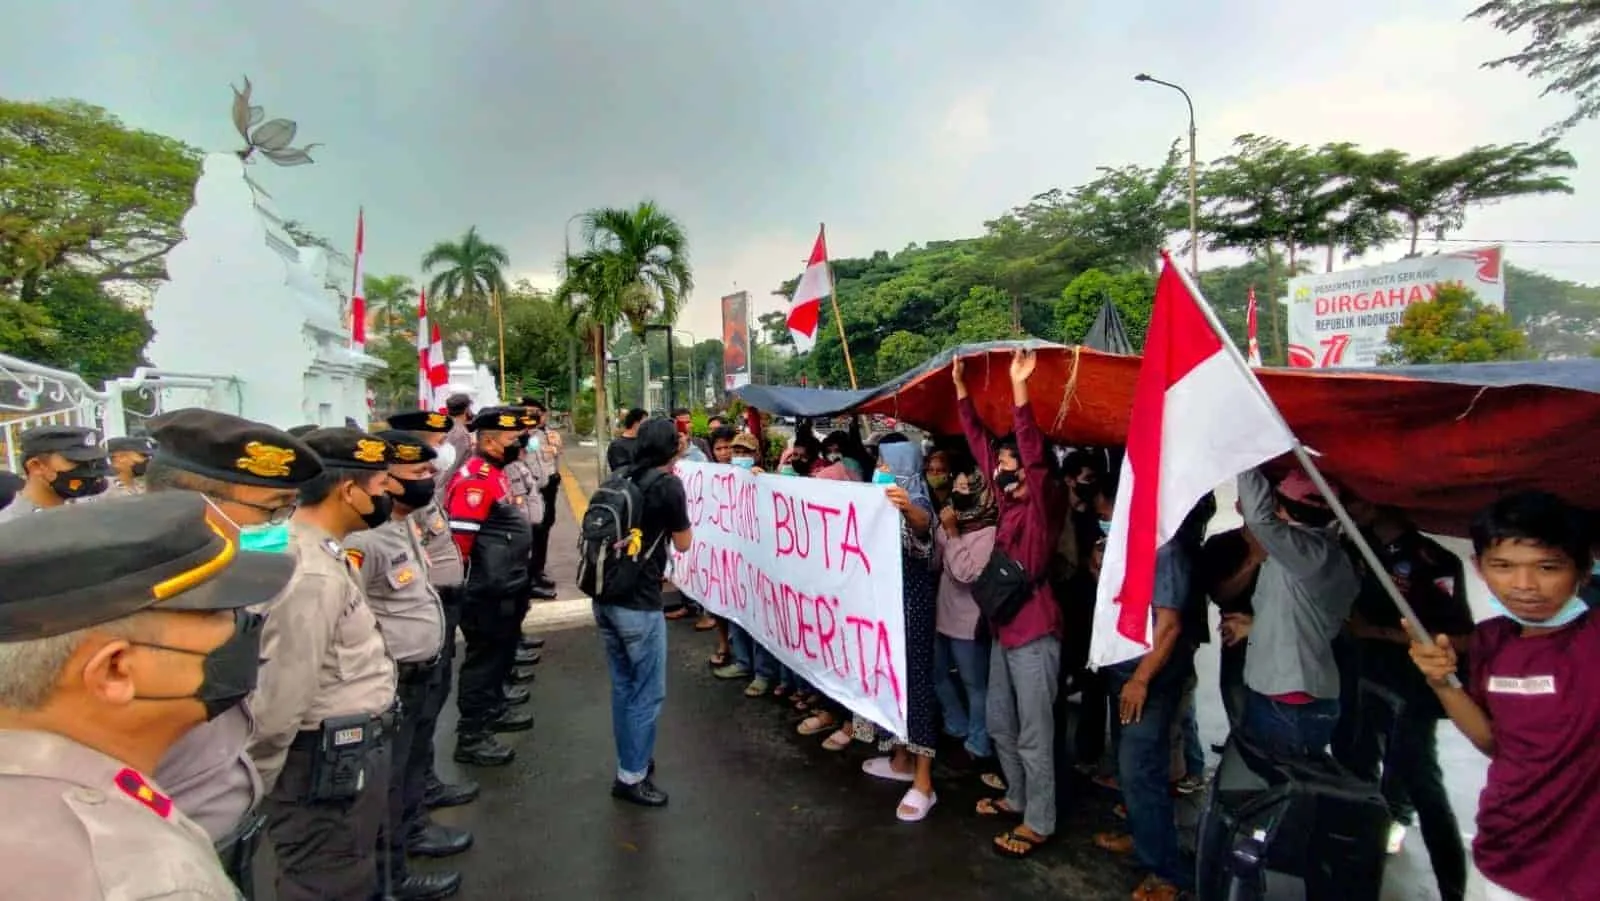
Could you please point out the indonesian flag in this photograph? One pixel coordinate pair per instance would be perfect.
(424, 386)
(438, 369)
(1198, 420)
(1250, 324)
(358, 292)
(805, 308)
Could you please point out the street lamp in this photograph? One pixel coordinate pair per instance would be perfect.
(672, 373)
(1194, 197)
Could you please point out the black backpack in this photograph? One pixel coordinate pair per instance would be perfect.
(612, 557)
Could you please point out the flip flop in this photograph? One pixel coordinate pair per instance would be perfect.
(919, 804)
(838, 741)
(991, 807)
(882, 768)
(816, 724)
(1012, 835)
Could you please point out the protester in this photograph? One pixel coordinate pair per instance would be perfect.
(632, 629)
(965, 537)
(1531, 701)
(619, 453)
(1228, 567)
(1026, 659)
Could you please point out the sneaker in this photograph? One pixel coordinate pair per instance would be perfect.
(644, 794)
(758, 686)
(731, 671)
(1188, 785)
(1397, 838)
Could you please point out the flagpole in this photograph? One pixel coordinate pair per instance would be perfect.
(833, 297)
(500, 317)
(1413, 624)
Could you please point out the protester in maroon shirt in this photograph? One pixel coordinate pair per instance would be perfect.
(1532, 702)
(1027, 655)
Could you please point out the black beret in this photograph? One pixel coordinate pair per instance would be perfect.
(230, 449)
(136, 445)
(81, 565)
(349, 448)
(419, 421)
(498, 419)
(408, 448)
(302, 430)
(78, 444)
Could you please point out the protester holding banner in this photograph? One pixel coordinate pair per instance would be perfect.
(1027, 657)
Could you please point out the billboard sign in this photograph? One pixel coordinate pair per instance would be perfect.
(735, 341)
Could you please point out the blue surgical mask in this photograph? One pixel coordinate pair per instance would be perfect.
(786, 470)
(1105, 527)
(744, 462)
(1573, 609)
(879, 477)
(268, 538)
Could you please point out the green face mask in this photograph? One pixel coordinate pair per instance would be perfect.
(938, 481)
(269, 538)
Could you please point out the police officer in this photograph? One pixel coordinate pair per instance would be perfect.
(545, 448)
(458, 408)
(325, 718)
(495, 540)
(250, 472)
(121, 629)
(60, 463)
(446, 573)
(526, 475)
(129, 458)
(394, 570)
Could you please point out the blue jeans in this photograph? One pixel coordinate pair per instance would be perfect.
(1194, 756)
(1144, 764)
(636, 653)
(1291, 730)
(964, 696)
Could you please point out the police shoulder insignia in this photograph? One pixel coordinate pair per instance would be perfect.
(370, 450)
(265, 460)
(134, 786)
(354, 556)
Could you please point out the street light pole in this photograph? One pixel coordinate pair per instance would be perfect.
(1194, 196)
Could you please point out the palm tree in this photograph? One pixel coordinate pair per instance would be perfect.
(635, 267)
(471, 272)
(387, 297)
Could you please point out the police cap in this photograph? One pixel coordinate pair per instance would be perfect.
(300, 431)
(234, 450)
(134, 445)
(498, 419)
(76, 443)
(419, 421)
(408, 448)
(82, 565)
(349, 448)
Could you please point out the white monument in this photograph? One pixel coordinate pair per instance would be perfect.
(472, 379)
(243, 299)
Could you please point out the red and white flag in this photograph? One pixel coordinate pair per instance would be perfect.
(438, 369)
(1250, 325)
(358, 292)
(1198, 420)
(805, 308)
(424, 385)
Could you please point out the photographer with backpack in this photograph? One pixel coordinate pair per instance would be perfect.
(623, 559)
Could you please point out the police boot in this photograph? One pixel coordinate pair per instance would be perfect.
(529, 658)
(428, 886)
(512, 721)
(439, 794)
(515, 697)
(432, 839)
(541, 593)
(482, 749)
(531, 643)
(521, 676)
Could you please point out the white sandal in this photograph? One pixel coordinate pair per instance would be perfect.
(883, 768)
(919, 804)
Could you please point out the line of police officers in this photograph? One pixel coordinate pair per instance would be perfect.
(330, 751)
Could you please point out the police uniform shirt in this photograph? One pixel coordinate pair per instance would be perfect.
(459, 438)
(115, 487)
(326, 655)
(20, 506)
(67, 804)
(524, 489)
(394, 569)
(445, 569)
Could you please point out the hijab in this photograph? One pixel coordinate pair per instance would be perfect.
(904, 460)
(984, 513)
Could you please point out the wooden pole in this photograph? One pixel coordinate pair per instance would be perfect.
(833, 296)
(500, 317)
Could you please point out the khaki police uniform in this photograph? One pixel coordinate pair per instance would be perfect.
(209, 772)
(549, 458)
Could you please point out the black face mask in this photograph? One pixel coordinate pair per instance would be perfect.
(510, 454)
(522, 442)
(801, 466)
(1005, 478)
(228, 672)
(416, 493)
(76, 483)
(382, 510)
(139, 468)
(963, 502)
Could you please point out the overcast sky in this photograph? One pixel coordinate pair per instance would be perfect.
(895, 121)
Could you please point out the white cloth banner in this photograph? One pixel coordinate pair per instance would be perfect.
(811, 569)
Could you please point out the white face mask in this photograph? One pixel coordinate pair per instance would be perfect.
(446, 458)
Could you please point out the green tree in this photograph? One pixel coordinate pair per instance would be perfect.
(466, 274)
(903, 351)
(536, 339)
(1131, 292)
(983, 315)
(395, 387)
(1563, 48)
(775, 328)
(1131, 212)
(80, 190)
(391, 298)
(74, 324)
(1454, 327)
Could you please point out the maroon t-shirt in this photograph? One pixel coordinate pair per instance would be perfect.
(1539, 814)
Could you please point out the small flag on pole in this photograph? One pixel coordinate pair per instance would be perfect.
(358, 292)
(1197, 421)
(424, 386)
(1250, 324)
(438, 369)
(805, 308)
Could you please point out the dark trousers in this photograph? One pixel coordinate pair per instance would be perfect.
(408, 764)
(327, 850)
(1230, 682)
(444, 674)
(492, 630)
(541, 529)
(1144, 764)
(1089, 738)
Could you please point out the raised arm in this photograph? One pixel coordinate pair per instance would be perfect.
(978, 438)
(1297, 550)
(1030, 441)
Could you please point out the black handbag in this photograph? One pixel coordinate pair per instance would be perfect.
(1002, 588)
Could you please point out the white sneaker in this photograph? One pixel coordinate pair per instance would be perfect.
(1397, 837)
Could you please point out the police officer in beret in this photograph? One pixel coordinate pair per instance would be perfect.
(394, 570)
(303, 430)
(528, 476)
(458, 407)
(122, 627)
(60, 463)
(495, 540)
(325, 718)
(129, 458)
(545, 448)
(446, 573)
(251, 472)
